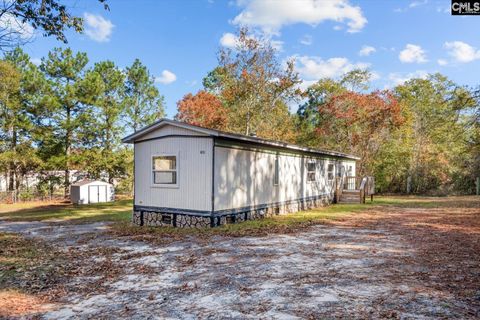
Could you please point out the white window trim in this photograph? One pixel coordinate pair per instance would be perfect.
(165, 185)
(315, 171)
(276, 173)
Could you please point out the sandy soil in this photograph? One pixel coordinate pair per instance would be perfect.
(403, 263)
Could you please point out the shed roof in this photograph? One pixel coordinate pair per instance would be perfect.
(136, 136)
(85, 182)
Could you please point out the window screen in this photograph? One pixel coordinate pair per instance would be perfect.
(331, 169)
(311, 168)
(276, 175)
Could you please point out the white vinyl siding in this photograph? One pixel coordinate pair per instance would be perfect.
(169, 130)
(243, 178)
(194, 173)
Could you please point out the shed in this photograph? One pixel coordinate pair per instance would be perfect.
(190, 176)
(91, 191)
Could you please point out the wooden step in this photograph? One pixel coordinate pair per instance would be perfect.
(350, 201)
(350, 196)
(356, 199)
(351, 192)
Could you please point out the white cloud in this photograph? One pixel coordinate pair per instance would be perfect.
(191, 83)
(36, 61)
(306, 40)
(442, 62)
(411, 5)
(15, 27)
(276, 44)
(412, 53)
(272, 15)
(315, 68)
(166, 77)
(444, 9)
(366, 51)
(398, 78)
(388, 49)
(462, 52)
(375, 76)
(415, 4)
(228, 40)
(97, 27)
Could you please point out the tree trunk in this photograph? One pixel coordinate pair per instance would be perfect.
(66, 183)
(11, 179)
(247, 128)
(107, 145)
(136, 118)
(12, 182)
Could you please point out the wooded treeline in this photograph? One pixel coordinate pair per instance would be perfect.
(423, 133)
(66, 114)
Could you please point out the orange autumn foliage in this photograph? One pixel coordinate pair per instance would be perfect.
(202, 109)
(358, 123)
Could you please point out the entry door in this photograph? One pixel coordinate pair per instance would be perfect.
(93, 195)
(102, 193)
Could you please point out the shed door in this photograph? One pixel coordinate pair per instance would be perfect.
(102, 193)
(93, 195)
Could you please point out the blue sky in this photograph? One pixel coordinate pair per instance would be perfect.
(179, 40)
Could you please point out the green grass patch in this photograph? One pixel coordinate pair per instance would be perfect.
(110, 211)
(291, 222)
(120, 213)
(428, 202)
(277, 224)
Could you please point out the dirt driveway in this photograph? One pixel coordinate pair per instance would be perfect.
(394, 262)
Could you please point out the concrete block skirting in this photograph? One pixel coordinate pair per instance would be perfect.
(151, 216)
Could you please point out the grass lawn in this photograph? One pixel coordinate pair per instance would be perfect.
(38, 211)
(290, 222)
(439, 229)
(120, 213)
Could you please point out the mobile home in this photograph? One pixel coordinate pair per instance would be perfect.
(189, 176)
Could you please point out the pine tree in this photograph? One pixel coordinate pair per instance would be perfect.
(143, 102)
(65, 70)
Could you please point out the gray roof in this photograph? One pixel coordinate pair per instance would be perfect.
(84, 182)
(231, 136)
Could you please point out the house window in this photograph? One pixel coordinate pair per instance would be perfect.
(330, 171)
(164, 169)
(276, 174)
(341, 171)
(311, 168)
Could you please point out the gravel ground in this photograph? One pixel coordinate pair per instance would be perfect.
(346, 269)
